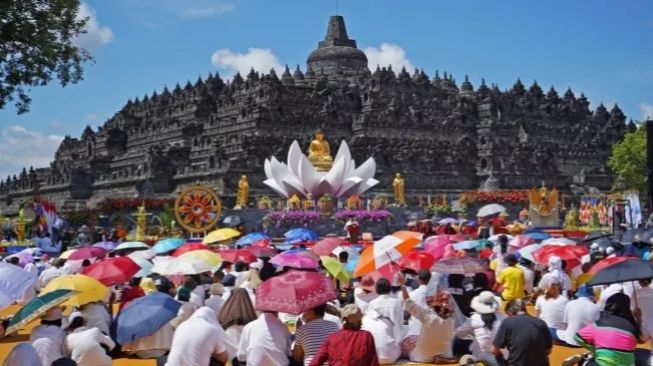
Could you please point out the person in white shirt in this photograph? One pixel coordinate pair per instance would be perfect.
(550, 307)
(388, 348)
(265, 342)
(387, 306)
(199, 341)
(85, 344)
(364, 292)
(643, 298)
(418, 295)
(529, 275)
(482, 326)
(434, 343)
(556, 274)
(97, 316)
(52, 272)
(578, 313)
(49, 339)
(215, 301)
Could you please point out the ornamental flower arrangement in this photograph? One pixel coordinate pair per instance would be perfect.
(290, 218)
(364, 215)
(517, 196)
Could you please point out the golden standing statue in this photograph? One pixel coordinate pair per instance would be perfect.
(243, 193)
(398, 187)
(319, 153)
(20, 226)
(141, 223)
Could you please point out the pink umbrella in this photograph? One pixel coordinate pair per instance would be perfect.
(88, 253)
(294, 292)
(294, 260)
(326, 245)
(521, 241)
(435, 246)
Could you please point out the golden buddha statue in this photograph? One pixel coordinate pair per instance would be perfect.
(243, 193)
(319, 153)
(398, 187)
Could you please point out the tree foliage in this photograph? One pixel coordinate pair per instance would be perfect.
(37, 45)
(628, 162)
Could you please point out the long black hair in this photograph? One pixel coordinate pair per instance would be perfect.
(619, 305)
(488, 320)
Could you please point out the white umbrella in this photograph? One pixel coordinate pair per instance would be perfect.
(353, 253)
(558, 241)
(187, 266)
(527, 251)
(13, 283)
(489, 210)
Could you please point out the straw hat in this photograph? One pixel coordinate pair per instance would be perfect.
(485, 303)
(216, 289)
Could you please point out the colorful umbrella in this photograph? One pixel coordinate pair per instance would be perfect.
(521, 241)
(558, 241)
(203, 255)
(538, 235)
(37, 307)
(326, 246)
(527, 251)
(607, 262)
(390, 248)
(569, 252)
(112, 270)
(464, 265)
(294, 292)
(351, 251)
(261, 252)
(238, 255)
(67, 253)
(88, 253)
(301, 234)
(189, 247)
(335, 268)
(630, 270)
(87, 289)
(24, 257)
(13, 283)
(435, 245)
(457, 238)
(106, 245)
(470, 244)
(294, 260)
(145, 315)
(259, 239)
(181, 266)
(416, 260)
(146, 267)
(224, 234)
(133, 245)
(167, 245)
(489, 210)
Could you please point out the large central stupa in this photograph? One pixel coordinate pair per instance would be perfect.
(443, 134)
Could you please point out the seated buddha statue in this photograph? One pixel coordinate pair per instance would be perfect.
(319, 153)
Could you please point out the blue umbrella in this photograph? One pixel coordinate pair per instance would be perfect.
(13, 283)
(283, 247)
(302, 234)
(144, 316)
(166, 245)
(469, 244)
(538, 235)
(251, 238)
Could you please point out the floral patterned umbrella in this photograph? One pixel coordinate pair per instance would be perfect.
(294, 292)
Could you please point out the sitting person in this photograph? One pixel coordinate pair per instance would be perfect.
(388, 349)
(578, 313)
(49, 339)
(265, 341)
(312, 334)
(550, 307)
(86, 346)
(482, 326)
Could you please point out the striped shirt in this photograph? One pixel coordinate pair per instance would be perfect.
(312, 335)
(611, 338)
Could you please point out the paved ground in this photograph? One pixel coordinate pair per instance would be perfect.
(6, 344)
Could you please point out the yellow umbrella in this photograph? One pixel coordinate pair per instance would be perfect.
(67, 253)
(223, 234)
(87, 289)
(335, 268)
(203, 255)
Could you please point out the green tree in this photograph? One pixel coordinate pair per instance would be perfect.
(37, 45)
(628, 162)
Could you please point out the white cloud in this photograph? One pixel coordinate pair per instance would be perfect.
(21, 147)
(261, 59)
(647, 111)
(91, 117)
(96, 35)
(388, 54)
(157, 12)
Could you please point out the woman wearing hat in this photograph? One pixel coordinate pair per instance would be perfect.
(482, 326)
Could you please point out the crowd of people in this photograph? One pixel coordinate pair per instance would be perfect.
(425, 316)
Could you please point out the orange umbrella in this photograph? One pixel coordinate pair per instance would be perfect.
(387, 250)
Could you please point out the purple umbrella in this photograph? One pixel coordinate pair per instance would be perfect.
(106, 245)
(24, 257)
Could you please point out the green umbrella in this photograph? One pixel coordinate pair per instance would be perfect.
(335, 268)
(37, 307)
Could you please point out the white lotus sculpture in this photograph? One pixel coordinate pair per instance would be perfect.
(300, 177)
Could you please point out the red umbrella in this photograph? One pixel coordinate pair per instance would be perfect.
(264, 243)
(261, 251)
(112, 270)
(294, 292)
(607, 262)
(569, 252)
(521, 241)
(238, 255)
(416, 261)
(435, 245)
(189, 247)
(87, 253)
(327, 245)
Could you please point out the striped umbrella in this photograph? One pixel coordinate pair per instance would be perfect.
(387, 250)
(37, 307)
(458, 265)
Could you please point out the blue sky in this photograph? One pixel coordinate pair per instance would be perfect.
(603, 48)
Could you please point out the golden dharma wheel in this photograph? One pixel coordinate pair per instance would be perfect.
(198, 209)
